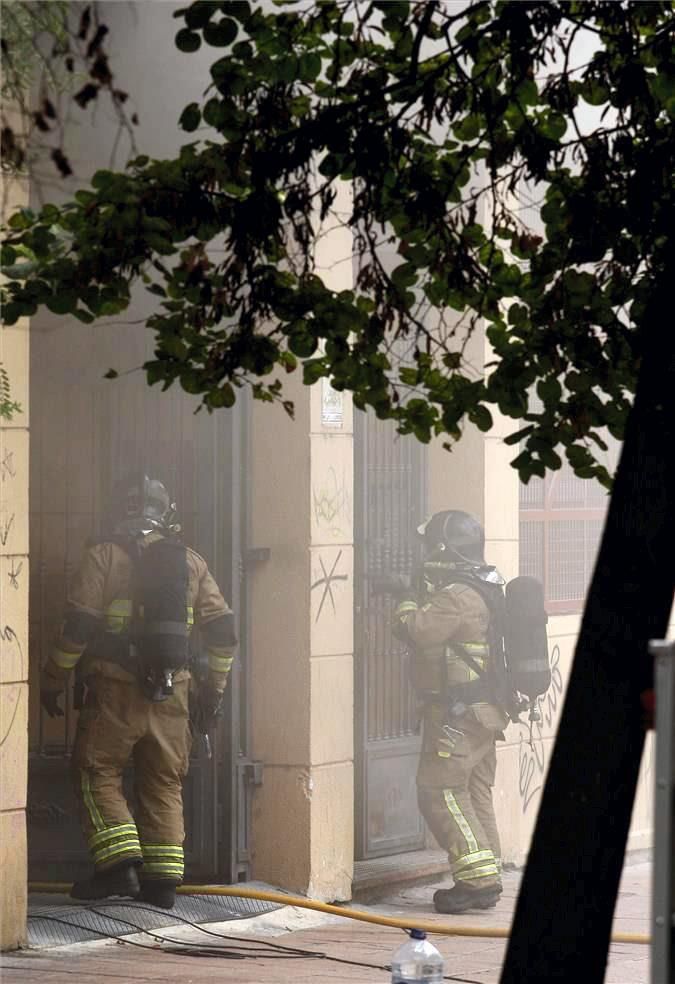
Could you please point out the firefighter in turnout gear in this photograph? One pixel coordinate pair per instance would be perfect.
(448, 630)
(130, 611)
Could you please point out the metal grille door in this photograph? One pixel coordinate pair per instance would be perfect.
(391, 493)
(86, 432)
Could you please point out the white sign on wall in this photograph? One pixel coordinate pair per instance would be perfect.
(332, 408)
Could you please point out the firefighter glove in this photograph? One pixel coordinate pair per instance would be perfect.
(50, 701)
(52, 685)
(206, 710)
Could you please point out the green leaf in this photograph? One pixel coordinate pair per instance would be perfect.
(224, 396)
(309, 67)
(190, 118)
(481, 417)
(11, 313)
(221, 34)
(188, 41)
(553, 126)
(593, 92)
(312, 371)
(85, 197)
(404, 276)
(287, 69)
(214, 113)
(302, 344)
(64, 302)
(20, 220)
(159, 244)
(549, 391)
(190, 381)
(199, 14)
(111, 374)
(662, 84)
(102, 179)
(469, 128)
(527, 93)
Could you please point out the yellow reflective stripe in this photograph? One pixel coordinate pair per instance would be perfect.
(95, 817)
(163, 849)
(406, 606)
(132, 848)
(469, 874)
(110, 833)
(118, 614)
(120, 607)
(474, 858)
(460, 820)
(218, 662)
(66, 660)
(157, 848)
(487, 867)
(163, 868)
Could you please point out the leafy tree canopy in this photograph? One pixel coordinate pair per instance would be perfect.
(440, 118)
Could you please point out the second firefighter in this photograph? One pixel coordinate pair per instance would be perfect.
(448, 629)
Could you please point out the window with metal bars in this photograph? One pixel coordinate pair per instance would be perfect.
(561, 519)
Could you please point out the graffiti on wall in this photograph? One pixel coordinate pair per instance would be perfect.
(6, 524)
(327, 582)
(11, 696)
(14, 573)
(332, 503)
(7, 466)
(532, 759)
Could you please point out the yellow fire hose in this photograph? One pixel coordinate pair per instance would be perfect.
(440, 929)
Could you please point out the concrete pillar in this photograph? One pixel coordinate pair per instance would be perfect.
(14, 640)
(301, 644)
(302, 606)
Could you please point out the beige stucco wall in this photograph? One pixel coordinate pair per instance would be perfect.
(13, 641)
(521, 768)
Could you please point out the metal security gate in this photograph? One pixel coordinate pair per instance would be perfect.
(390, 482)
(86, 433)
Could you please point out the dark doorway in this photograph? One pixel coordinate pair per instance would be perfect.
(86, 432)
(390, 482)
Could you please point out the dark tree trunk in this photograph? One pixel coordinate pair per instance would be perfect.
(563, 919)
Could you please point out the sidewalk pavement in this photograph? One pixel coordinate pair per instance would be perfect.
(252, 959)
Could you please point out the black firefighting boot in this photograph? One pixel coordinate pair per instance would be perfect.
(463, 896)
(160, 892)
(122, 881)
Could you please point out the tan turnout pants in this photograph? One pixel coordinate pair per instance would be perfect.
(118, 726)
(454, 788)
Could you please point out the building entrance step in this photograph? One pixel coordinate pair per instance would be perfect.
(377, 876)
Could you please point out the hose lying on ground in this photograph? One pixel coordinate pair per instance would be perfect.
(440, 929)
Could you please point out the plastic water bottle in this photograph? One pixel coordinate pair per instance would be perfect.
(417, 961)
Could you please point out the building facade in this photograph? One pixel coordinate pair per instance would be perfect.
(314, 763)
